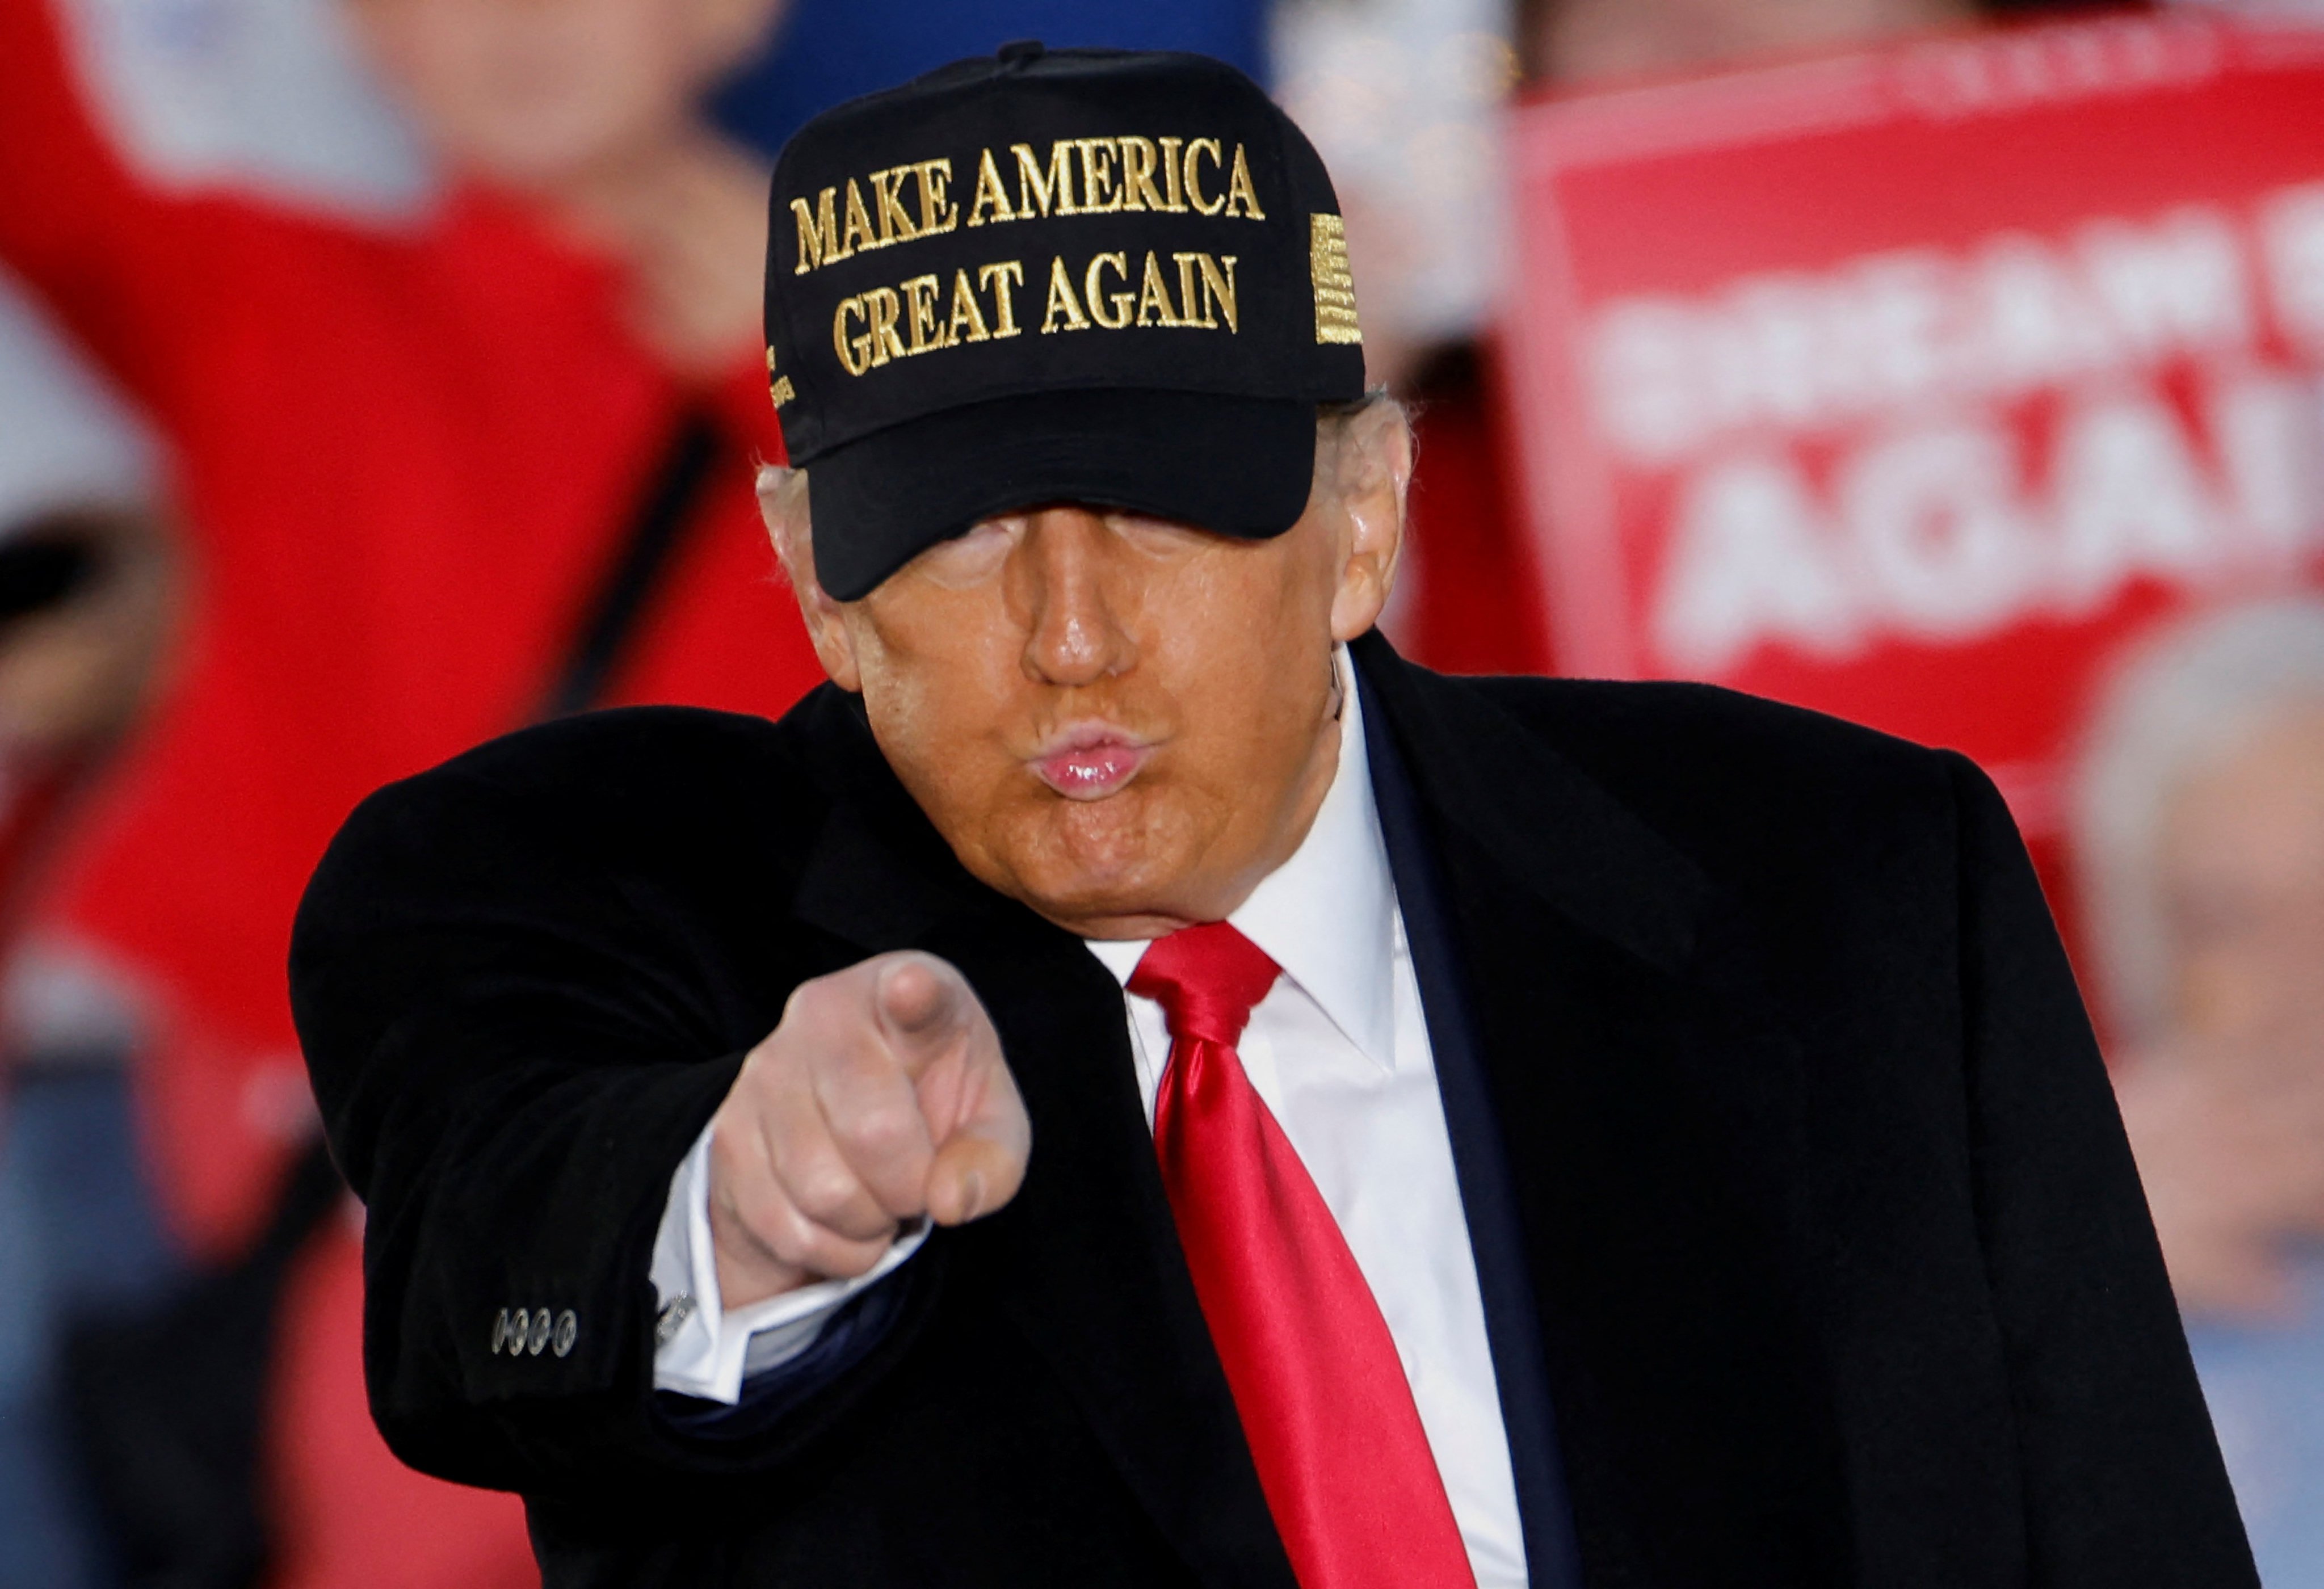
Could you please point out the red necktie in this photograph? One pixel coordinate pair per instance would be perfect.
(1324, 1403)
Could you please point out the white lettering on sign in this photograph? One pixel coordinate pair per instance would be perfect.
(1977, 73)
(1941, 531)
(2022, 427)
(1800, 352)
(2266, 431)
(1752, 560)
(2292, 229)
(1938, 528)
(2129, 502)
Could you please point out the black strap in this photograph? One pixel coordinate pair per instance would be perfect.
(609, 619)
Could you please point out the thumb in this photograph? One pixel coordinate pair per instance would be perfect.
(974, 1175)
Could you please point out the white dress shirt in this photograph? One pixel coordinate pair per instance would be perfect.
(1339, 1052)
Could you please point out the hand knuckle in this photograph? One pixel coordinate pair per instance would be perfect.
(756, 1212)
(787, 1233)
(808, 1001)
(883, 1131)
(761, 1078)
(823, 1192)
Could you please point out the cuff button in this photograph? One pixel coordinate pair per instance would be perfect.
(540, 1332)
(568, 1327)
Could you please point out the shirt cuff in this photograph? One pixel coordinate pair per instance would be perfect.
(703, 1350)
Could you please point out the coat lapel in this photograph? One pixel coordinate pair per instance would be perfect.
(1648, 1099)
(1087, 1254)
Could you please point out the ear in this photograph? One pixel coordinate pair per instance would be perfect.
(783, 504)
(1371, 473)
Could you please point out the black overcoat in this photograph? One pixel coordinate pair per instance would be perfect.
(1841, 1269)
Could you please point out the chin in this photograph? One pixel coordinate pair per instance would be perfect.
(1105, 858)
(540, 153)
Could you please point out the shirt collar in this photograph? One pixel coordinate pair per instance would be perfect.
(1327, 915)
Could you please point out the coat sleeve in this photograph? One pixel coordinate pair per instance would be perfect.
(2122, 1474)
(523, 985)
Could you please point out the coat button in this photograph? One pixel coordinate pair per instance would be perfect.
(568, 1327)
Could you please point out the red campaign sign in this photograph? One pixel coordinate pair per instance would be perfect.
(1908, 385)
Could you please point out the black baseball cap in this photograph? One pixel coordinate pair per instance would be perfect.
(1101, 276)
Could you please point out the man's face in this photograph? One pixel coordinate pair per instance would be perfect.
(2243, 872)
(531, 93)
(1123, 723)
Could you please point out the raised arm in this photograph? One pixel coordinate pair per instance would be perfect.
(128, 267)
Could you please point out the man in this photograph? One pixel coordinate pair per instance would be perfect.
(1134, 1084)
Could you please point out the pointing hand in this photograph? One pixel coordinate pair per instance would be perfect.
(881, 1096)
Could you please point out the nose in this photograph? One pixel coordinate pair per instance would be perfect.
(1074, 634)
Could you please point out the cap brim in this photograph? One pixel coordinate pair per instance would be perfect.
(1235, 466)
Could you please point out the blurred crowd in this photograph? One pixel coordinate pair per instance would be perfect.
(378, 375)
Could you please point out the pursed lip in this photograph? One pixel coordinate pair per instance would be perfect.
(1089, 761)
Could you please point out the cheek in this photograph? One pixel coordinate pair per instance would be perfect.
(940, 684)
(949, 656)
(1233, 638)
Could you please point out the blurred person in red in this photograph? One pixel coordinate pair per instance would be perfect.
(2199, 835)
(85, 594)
(438, 478)
(409, 457)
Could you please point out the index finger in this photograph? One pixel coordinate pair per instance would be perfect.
(923, 1007)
